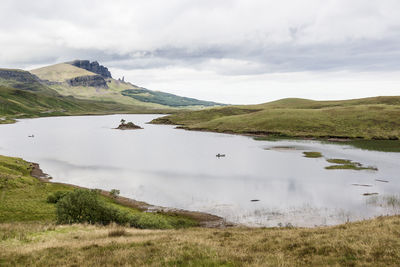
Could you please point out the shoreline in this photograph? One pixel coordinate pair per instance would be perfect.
(205, 220)
(361, 143)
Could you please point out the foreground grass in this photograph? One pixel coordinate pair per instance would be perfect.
(23, 198)
(368, 118)
(369, 243)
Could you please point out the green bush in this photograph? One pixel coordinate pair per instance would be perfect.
(87, 206)
(114, 193)
(82, 206)
(56, 196)
(149, 221)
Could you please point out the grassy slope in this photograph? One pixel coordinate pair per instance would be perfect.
(23, 198)
(15, 103)
(23, 80)
(369, 243)
(113, 93)
(369, 118)
(60, 72)
(162, 98)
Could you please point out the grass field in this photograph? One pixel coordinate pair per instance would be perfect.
(368, 118)
(369, 243)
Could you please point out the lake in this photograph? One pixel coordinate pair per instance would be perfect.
(258, 183)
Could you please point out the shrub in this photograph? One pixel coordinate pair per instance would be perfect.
(149, 221)
(56, 196)
(114, 193)
(82, 206)
(86, 206)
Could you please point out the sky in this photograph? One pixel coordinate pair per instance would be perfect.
(230, 51)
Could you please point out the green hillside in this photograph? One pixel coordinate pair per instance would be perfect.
(368, 118)
(166, 99)
(23, 80)
(15, 103)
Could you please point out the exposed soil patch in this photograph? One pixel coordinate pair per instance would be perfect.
(38, 173)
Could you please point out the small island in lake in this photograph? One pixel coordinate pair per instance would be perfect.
(128, 126)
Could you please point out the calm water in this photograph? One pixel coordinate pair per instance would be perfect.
(176, 168)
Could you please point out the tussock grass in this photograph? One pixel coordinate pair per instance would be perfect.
(117, 232)
(368, 243)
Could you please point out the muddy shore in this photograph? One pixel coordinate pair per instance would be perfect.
(204, 219)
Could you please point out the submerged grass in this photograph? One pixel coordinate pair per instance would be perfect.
(345, 164)
(368, 243)
(313, 154)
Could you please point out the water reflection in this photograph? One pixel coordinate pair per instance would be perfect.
(169, 167)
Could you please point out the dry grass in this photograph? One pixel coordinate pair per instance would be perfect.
(60, 72)
(368, 243)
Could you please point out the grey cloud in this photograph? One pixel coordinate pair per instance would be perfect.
(227, 37)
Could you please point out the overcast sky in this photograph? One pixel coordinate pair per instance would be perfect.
(243, 51)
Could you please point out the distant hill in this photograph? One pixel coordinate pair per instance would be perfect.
(366, 118)
(90, 80)
(23, 94)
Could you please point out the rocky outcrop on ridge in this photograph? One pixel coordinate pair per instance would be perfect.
(93, 67)
(90, 80)
(17, 75)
